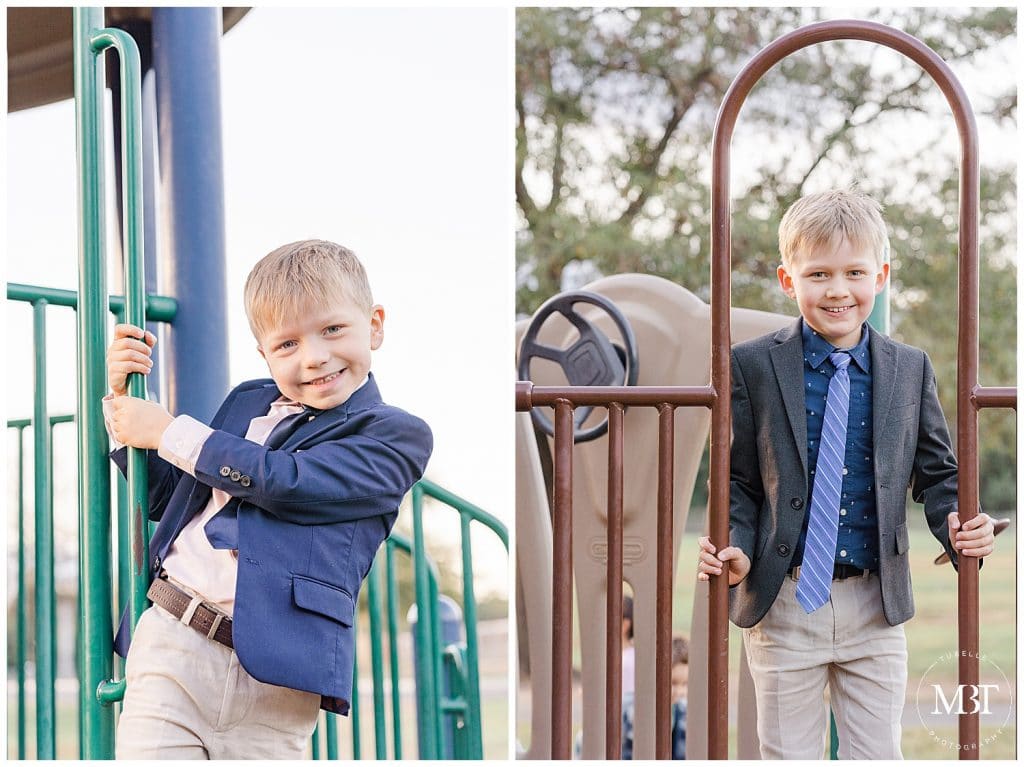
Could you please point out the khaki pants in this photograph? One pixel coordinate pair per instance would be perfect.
(845, 644)
(189, 698)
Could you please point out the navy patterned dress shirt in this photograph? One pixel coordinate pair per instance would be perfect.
(857, 541)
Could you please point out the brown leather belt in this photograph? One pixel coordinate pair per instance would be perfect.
(205, 619)
(839, 573)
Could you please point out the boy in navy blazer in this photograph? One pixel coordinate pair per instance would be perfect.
(269, 520)
(832, 421)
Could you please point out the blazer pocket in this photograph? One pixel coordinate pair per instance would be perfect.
(322, 598)
(904, 411)
(902, 539)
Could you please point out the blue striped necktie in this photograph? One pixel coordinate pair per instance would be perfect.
(815, 582)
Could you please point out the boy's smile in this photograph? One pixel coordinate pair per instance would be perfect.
(835, 291)
(320, 359)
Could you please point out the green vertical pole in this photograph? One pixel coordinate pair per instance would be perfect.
(357, 736)
(316, 739)
(396, 701)
(474, 735)
(332, 735)
(377, 662)
(426, 687)
(133, 237)
(93, 482)
(436, 666)
(22, 604)
(880, 314)
(46, 616)
(122, 543)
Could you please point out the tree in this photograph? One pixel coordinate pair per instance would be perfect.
(615, 111)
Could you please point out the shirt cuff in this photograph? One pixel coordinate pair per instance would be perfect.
(108, 412)
(182, 441)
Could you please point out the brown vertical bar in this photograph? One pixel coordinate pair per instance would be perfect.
(561, 639)
(967, 335)
(613, 665)
(968, 494)
(663, 605)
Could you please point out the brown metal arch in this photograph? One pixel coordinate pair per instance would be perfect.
(970, 396)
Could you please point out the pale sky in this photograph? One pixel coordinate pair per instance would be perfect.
(385, 130)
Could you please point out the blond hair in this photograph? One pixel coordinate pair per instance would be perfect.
(296, 277)
(824, 220)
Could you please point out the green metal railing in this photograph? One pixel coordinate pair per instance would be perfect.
(458, 711)
(429, 681)
(158, 309)
(45, 594)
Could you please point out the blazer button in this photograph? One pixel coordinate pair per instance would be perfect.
(245, 481)
(156, 563)
(235, 475)
(225, 470)
(797, 503)
(783, 549)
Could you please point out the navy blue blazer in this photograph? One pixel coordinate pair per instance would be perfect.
(309, 525)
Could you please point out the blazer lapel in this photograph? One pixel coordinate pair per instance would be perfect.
(788, 361)
(362, 399)
(883, 384)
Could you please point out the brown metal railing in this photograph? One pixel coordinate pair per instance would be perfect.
(615, 398)
(970, 398)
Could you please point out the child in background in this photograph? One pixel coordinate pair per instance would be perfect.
(680, 678)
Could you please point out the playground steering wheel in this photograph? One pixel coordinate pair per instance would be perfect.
(593, 360)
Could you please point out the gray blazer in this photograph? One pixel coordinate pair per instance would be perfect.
(768, 490)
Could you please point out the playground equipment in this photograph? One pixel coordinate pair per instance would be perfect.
(715, 396)
(446, 674)
(670, 325)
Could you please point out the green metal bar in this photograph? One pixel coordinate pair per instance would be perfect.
(436, 663)
(332, 735)
(457, 705)
(158, 308)
(46, 614)
(357, 737)
(21, 423)
(22, 605)
(380, 738)
(396, 703)
(427, 689)
(94, 490)
(473, 734)
(133, 236)
(316, 739)
(425, 486)
(122, 543)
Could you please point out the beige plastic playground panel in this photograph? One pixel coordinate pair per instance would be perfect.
(533, 564)
(672, 329)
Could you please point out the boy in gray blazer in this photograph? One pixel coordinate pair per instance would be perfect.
(831, 423)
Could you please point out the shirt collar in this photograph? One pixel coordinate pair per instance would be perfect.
(816, 348)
